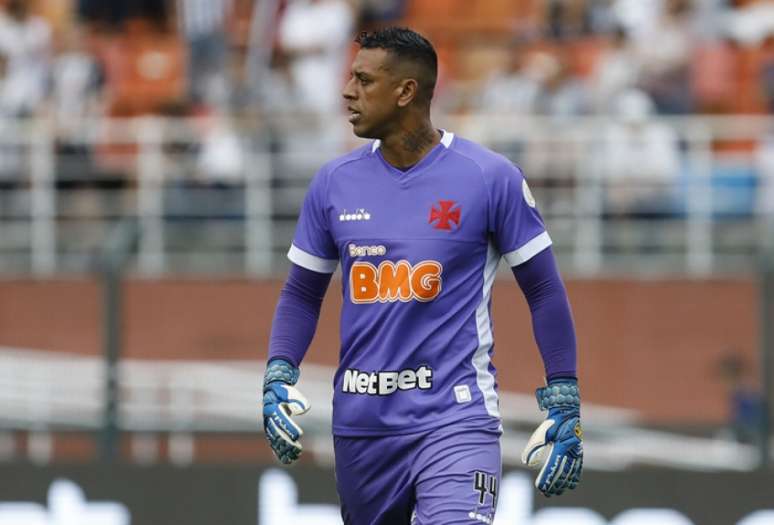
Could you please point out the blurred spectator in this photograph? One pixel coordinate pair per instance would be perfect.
(76, 97)
(535, 83)
(316, 35)
(744, 399)
(221, 158)
(639, 159)
(664, 51)
(210, 188)
(710, 19)
(314, 39)
(637, 17)
(751, 24)
(601, 17)
(278, 92)
(144, 69)
(77, 81)
(376, 13)
(568, 19)
(25, 42)
(204, 25)
(538, 83)
(114, 14)
(563, 94)
(716, 76)
(616, 71)
(516, 87)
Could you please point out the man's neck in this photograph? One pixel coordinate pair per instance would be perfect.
(408, 145)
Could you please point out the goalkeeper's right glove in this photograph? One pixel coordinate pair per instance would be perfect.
(281, 400)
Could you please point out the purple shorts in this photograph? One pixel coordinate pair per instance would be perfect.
(446, 476)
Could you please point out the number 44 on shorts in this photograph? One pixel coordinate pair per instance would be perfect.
(485, 484)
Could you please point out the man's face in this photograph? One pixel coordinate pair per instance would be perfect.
(372, 93)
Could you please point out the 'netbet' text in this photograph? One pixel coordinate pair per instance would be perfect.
(386, 383)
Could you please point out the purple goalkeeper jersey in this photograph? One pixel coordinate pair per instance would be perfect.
(418, 251)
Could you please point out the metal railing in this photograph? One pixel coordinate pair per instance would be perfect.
(236, 213)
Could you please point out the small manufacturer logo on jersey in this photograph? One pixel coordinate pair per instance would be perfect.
(462, 393)
(527, 193)
(359, 214)
(445, 214)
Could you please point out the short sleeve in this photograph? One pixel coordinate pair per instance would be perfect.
(313, 247)
(515, 223)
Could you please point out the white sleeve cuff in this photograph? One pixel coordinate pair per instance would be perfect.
(529, 250)
(311, 262)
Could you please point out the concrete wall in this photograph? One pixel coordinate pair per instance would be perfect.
(648, 345)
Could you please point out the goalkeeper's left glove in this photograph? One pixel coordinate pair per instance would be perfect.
(280, 401)
(557, 444)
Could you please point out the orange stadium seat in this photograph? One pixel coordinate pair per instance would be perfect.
(465, 19)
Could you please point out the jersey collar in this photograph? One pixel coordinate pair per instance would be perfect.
(446, 140)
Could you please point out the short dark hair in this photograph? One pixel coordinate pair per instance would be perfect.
(409, 45)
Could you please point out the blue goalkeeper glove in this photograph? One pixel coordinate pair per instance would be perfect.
(556, 447)
(281, 400)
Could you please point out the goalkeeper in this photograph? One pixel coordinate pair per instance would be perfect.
(419, 220)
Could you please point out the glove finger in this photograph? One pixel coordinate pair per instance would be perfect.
(282, 430)
(550, 473)
(286, 450)
(563, 482)
(561, 478)
(287, 454)
(576, 475)
(269, 430)
(282, 420)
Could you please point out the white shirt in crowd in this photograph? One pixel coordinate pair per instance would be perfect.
(317, 34)
(25, 45)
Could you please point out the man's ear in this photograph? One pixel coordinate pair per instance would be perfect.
(407, 92)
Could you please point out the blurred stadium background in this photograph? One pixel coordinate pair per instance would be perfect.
(153, 158)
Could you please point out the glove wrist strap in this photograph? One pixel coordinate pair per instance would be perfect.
(560, 393)
(281, 370)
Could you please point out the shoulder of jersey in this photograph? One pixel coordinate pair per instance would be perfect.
(489, 161)
(360, 153)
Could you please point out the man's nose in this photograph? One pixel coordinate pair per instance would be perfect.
(348, 93)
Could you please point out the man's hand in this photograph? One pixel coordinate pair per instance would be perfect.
(281, 400)
(557, 444)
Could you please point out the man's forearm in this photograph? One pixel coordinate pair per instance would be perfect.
(297, 313)
(552, 321)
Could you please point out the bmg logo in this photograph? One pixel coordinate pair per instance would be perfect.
(394, 281)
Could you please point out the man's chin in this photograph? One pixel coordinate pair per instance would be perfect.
(364, 131)
(361, 131)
